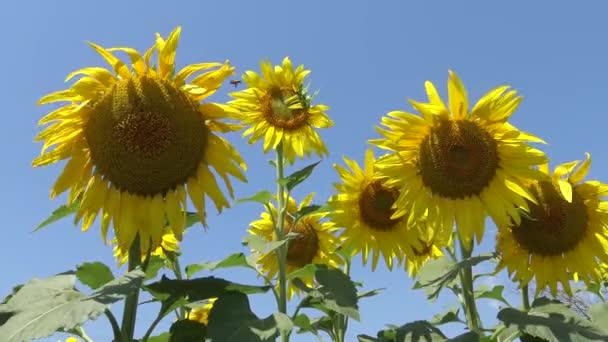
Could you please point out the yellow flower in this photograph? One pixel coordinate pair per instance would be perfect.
(277, 107)
(431, 243)
(168, 243)
(453, 164)
(315, 244)
(201, 314)
(139, 142)
(565, 235)
(363, 207)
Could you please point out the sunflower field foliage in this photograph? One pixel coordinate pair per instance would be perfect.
(144, 154)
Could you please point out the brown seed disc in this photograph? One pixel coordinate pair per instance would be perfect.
(375, 206)
(276, 111)
(302, 249)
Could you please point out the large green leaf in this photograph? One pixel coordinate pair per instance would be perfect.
(59, 213)
(494, 293)
(233, 260)
(94, 274)
(187, 331)
(335, 291)
(552, 321)
(291, 181)
(599, 315)
(231, 320)
(199, 288)
(44, 306)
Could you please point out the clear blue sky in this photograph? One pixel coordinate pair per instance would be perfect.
(366, 58)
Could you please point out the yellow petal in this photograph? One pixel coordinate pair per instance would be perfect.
(137, 61)
(565, 189)
(457, 97)
(166, 58)
(582, 170)
(119, 67)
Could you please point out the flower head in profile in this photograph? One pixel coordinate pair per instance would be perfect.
(201, 314)
(315, 243)
(277, 108)
(139, 143)
(455, 164)
(565, 235)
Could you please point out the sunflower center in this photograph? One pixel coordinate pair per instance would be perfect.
(275, 108)
(458, 159)
(375, 206)
(146, 136)
(302, 249)
(555, 226)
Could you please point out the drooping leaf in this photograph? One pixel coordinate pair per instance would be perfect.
(94, 274)
(291, 181)
(233, 260)
(494, 293)
(447, 317)
(198, 289)
(192, 218)
(370, 293)
(59, 213)
(550, 320)
(260, 244)
(309, 210)
(231, 320)
(599, 315)
(185, 330)
(44, 306)
(262, 197)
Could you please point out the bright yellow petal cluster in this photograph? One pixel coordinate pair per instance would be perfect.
(277, 107)
(139, 143)
(455, 165)
(201, 314)
(316, 243)
(566, 235)
(168, 243)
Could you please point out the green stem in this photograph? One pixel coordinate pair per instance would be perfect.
(82, 334)
(130, 309)
(280, 232)
(343, 319)
(114, 324)
(151, 328)
(525, 297)
(177, 270)
(468, 292)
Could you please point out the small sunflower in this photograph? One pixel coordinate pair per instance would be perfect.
(565, 235)
(277, 107)
(201, 314)
(430, 246)
(453, 164)
(363, 206)
(168, 243)
(139, 142)
(315, 244)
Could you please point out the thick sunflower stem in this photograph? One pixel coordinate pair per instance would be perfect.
(525, 297)
(130, 308)
(280, 232)
(468, 292)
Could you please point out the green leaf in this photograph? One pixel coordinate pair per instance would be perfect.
(231, 320)
(198, 288)
(164, 337)
(410, 332)
(441, 272)
(283, 322)
(154, 266)
(44, 306)
(187, 331)
(233, 260)
(599, 315)
(370, 293)
(260, 244)
(59, 213)
(469, 336)
(262, 197)
(450, 316)
(192, 218)
(94, 274)
(291, 181)
(494, 293)
(550, 320)
(335, 291)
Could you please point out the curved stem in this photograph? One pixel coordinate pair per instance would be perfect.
(280, 232)
(151, 328)
(468, 292)
(114, 324)
(130, 311)
(525, 297)
(82, 334)
(177, 270)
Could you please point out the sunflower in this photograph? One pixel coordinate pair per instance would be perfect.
(453, 164)
(276, 106)
(139, 142)
(430, 246)
(363, 207)
(201, 314)
(565, 235)
(315, 244)
(168, 243)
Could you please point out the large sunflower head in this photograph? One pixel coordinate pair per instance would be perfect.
(363, 206)
(315, 243)
(457, 165)
(564, 235)
(277, 107)
(139, 142)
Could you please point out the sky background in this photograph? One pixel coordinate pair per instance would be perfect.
(366, 59)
